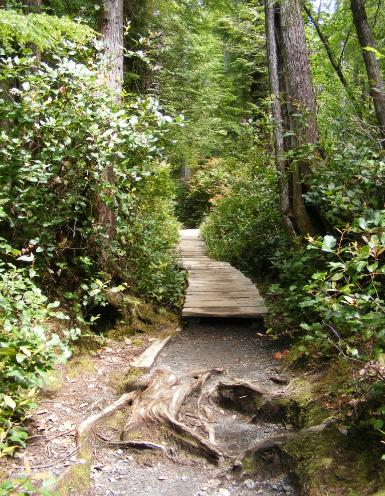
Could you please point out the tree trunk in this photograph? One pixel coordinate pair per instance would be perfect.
(303, 114)
(276, 110)
(301, 92)
(376, 82)
(294, 110)
(33, 5)
(111, 28)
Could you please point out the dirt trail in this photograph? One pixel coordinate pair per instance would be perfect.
(100, 469)
(235, 347)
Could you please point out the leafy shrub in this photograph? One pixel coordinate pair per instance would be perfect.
(61, 130)
(28, 348)
(64, 129)
(245, 228)
(348, 184)
(347, 297)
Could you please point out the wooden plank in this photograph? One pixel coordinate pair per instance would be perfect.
(216, 289)
(249, 313)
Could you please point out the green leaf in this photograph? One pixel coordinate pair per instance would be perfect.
(9, 401)
(329, 243)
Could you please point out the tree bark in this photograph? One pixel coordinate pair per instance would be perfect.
(301, 92)
(276, 110)
(294, 110)
(301, 98)
(111, 28)
(33, 5)
(376, 82)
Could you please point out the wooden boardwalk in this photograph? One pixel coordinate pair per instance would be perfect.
(216, 289)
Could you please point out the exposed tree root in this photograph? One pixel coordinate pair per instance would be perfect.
(160, 404)
(85, 426)
(142, 445)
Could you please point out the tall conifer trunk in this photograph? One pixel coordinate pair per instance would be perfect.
(294, 109)
(376, 82)
(111, 28)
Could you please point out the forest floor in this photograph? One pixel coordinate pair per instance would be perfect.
(91, 381)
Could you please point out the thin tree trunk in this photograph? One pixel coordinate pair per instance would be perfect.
(376, 82)
(111, 28)
(276, 110)
(336, 66)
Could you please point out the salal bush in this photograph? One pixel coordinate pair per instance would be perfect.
(348, 184)
(28, 348)
(62, 130)
(347, 295)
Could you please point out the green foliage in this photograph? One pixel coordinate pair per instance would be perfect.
(43, 31)
(245, 226)
(27, 486)
(49, 189)
(28, 348)
(208, 182)
(347, 297)
(209, 67)
(61, 130)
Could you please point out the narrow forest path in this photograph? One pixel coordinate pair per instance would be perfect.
(186, 422)
(231, 346)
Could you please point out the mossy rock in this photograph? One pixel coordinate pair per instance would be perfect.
(90, 343)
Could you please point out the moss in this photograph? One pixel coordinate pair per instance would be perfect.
(77, 479)
(53, 381)
(89, 343)
(120, 332)
(131, 378)
(79, 365)
(329, 463)
(117, 420)
(137, 342)
(248, 465)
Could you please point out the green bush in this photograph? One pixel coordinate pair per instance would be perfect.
(28, 348)
(61, 130)
(245, 227)
(347, 296)
(64, 129)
